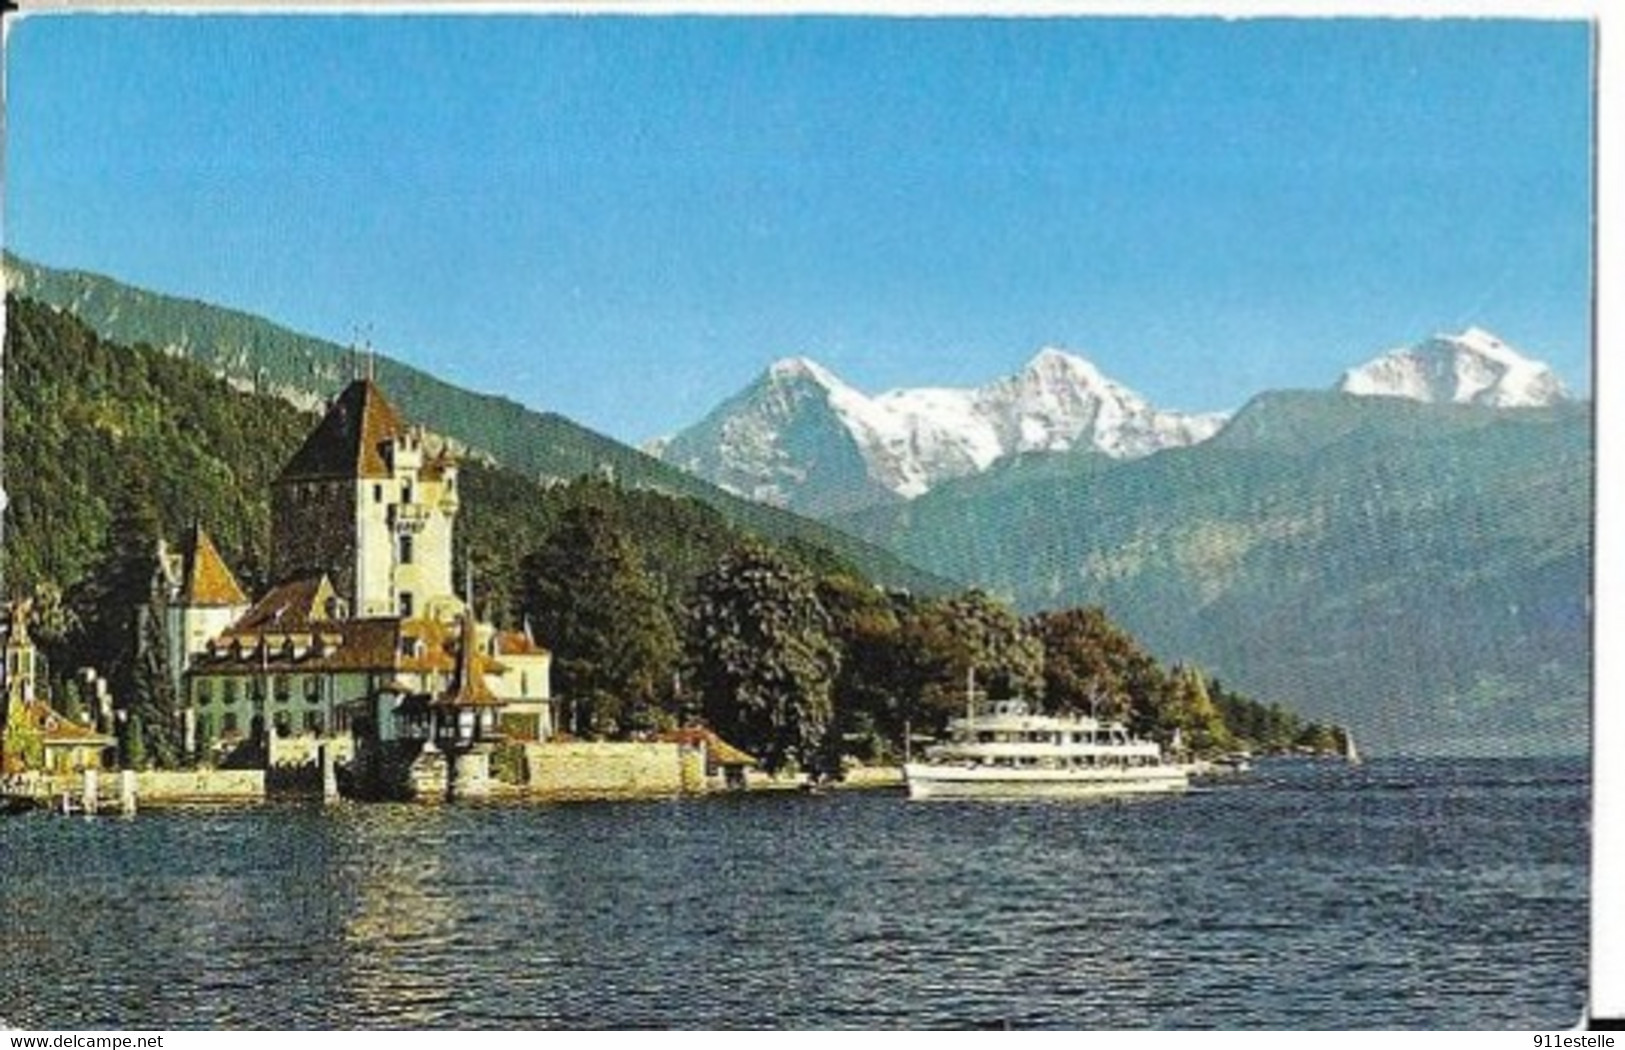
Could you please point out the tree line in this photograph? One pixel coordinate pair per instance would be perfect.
(803, 667)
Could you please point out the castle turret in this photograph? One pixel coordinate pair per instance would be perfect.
(205, 600)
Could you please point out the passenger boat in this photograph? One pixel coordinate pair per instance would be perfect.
(1004, 750)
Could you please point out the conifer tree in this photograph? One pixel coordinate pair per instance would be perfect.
(615, 649)
(121, 607)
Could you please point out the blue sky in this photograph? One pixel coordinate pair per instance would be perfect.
(625, 219)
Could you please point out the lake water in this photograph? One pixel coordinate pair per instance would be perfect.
(1307, 895)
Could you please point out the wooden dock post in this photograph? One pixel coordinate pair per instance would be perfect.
(330, 780)
(126, 792)
(88, 796)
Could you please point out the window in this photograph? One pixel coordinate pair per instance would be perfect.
(406, 492)
(406, 605)
(231, 693)
(406, 548)
(204, 691)
(378, 493)
(279, 685)
(228, 722)
(313, 722)
(205, 729)
(313, 689)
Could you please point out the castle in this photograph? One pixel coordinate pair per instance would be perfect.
(364, 605)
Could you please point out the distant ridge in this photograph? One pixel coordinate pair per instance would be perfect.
(253, 353)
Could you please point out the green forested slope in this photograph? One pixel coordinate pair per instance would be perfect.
(254, 351)
(1424, 569)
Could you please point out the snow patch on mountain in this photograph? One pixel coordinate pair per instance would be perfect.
(1474, 367)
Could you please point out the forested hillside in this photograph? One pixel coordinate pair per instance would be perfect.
(786, 645)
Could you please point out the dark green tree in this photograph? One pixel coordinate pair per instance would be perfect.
(762, 659)
(869, 693)
(1318, 738)
(133, 742)
(1093, 666)
(615, 649)
(1260, 727)
(121, 608)
(944, 640)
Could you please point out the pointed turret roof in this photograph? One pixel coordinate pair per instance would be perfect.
(468, 688)
(206, 579)
(349, 441)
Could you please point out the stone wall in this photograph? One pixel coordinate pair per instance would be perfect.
(304, 749)
(204, 785)
(313, 530)
(152, 787)
(612, 770)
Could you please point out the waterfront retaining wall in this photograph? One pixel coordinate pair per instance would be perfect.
(203, 785)
(611, 770)
(304, 749)
(152, 787)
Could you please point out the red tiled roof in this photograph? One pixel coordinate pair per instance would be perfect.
(300, 644)
(517, 643)
(350, 439)
(290, 606)
(207, 580)
(436, 468)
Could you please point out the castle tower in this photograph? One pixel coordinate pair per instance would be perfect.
(365, 502)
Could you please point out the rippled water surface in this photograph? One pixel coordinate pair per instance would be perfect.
(1306, 895)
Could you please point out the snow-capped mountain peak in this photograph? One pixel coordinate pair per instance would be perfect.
(1054, 362)
(789, 436)
(1472, 367)
(802, 368)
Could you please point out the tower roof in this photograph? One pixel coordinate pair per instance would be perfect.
(349, 441)
(207, 580)
(468, 688)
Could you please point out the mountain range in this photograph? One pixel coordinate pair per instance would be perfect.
(1473, 368)
(1408, 554)
(1420, 572)
(1407, 551)
(800, 437)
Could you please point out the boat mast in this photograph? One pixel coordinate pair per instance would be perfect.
(970, 694)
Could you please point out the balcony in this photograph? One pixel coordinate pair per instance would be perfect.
(409, 517)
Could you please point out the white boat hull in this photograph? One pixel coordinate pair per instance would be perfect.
(928, 780)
